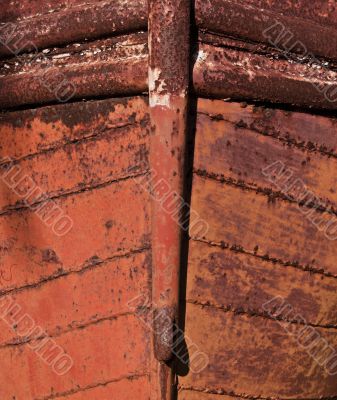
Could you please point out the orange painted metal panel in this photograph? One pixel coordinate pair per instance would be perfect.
(94, 293)
(35, 252)
(28, 132)
(103, 157)
(125, 389)
(99, 352)
(67, 328)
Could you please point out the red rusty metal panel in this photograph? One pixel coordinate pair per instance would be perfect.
(249, 21)
(230, 73)
(116, 66)
(35, 253)
(97, 172)
(99, 352)
(92, 161)
(73, 24)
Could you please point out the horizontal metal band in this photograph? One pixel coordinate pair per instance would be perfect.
(249, 21)
(73, 24)
(111, 67)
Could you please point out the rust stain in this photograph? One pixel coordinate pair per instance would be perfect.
(225, 147)
(224, 72)
(163, 331)
(247, 21)
(76, 23)
(238, 281)
(323, 12)
(113, 67)
(257, 249)
(35, 131)
(251, 356)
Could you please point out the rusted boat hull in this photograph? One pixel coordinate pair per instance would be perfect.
(167, 200)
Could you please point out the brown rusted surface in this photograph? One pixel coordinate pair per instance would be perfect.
(228, 73)
(225, 149)
(118, 66)
(239, 142)
(79, 22)
(163, 332)
(313, 133)
(263, 276)
(266, 227)
(169, 54)
(12, 10)
(322, 11)
(248, 20)
(252, 357)
(218, 40)
(243, 283)
(109, 67)
(189, 393)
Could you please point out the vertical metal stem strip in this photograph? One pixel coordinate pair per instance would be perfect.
(169, 54)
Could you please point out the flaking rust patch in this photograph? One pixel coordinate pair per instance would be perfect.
(157, 88)
(163, 332)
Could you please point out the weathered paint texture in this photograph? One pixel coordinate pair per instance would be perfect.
(169, 54)
(92, 157)
(116, 66)
(223, 68)
(323, 12)
(69, 24)
(253, 357)
(249, 20)
(228, 72)
(168, 80)
(77, 287)
(260, 246)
